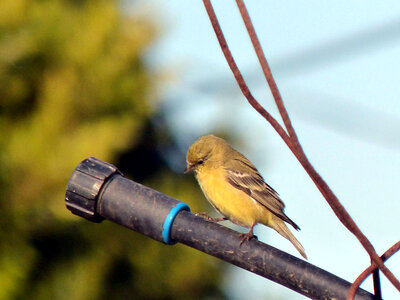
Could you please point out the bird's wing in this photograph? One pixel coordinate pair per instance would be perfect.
(255, 186)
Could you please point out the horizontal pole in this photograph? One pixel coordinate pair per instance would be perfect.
(97, 191)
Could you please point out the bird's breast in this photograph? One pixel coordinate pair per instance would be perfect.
(231, 202)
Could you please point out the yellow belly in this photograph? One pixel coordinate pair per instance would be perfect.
(231, 202)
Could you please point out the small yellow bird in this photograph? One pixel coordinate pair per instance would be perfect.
(235, 188)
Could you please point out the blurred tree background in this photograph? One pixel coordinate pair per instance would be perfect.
(74, 84)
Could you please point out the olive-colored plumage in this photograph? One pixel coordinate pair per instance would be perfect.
(235, 188)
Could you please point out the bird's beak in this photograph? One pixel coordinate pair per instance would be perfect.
(188, 169)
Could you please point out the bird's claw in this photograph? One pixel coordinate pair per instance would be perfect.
(208, 218)
(247, 237)
(204, 216)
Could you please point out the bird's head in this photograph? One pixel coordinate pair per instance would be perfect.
(205, 150)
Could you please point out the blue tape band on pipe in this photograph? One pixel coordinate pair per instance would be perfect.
(169, 220)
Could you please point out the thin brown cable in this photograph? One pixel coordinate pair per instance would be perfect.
(291, 140)
(360, 279)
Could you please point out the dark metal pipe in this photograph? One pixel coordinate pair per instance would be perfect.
(261, 259)
(97, 190)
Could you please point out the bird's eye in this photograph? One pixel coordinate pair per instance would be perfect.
(200, 162)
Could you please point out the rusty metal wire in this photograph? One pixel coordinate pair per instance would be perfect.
(289, 136)
(392, 250)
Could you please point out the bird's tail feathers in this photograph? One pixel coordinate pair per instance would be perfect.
(284, 231)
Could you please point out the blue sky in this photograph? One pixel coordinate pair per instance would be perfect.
(337, 65)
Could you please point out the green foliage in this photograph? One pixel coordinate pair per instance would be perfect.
(73, 84)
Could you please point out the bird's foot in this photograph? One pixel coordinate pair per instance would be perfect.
(247, 237)
(208, 218)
